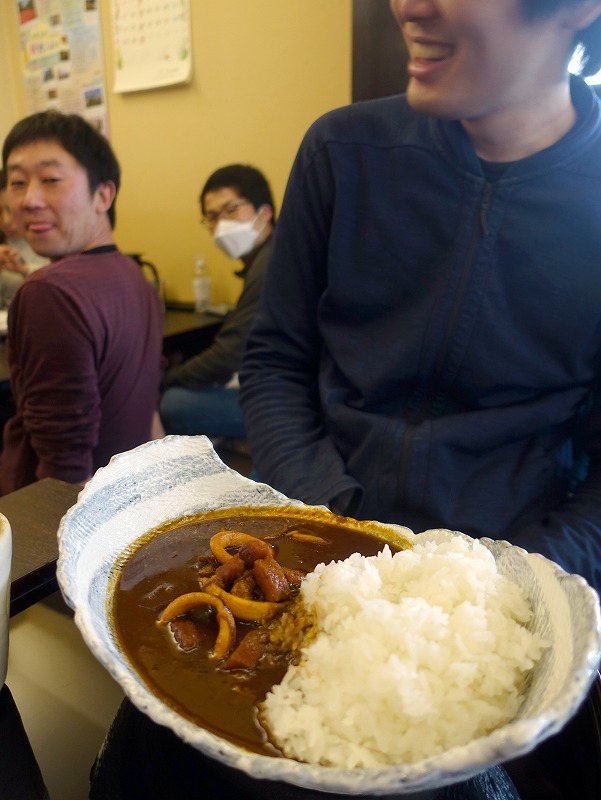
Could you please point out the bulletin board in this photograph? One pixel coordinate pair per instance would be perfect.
(62, 59)
(151, 43)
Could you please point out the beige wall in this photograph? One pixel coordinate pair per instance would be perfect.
(8, 85)
(262, 72)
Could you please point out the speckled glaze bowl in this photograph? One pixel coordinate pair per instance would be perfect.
(178, 476)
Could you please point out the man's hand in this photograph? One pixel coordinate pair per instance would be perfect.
(11, 260)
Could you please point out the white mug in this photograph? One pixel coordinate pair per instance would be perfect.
(5, 559)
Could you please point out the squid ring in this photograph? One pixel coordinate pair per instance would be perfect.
(226, 636)
(246, 610)
(225, 538)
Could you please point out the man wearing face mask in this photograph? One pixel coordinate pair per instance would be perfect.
(201, 395)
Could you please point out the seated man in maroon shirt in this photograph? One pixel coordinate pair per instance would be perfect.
(84, 332)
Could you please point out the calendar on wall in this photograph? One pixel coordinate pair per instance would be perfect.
(151, 43)
(60, 44)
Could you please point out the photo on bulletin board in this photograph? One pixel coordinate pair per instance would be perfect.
(62, 58)
(27, 11)
(152, 43)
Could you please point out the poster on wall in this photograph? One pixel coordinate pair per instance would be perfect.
(61, 51)
(151, 43)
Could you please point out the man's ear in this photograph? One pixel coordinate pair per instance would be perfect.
(104, 196)
(267, 212)
(582, 14)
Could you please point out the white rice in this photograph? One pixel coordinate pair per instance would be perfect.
(415, 653)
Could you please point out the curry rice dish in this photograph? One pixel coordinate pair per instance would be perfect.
(213, 613)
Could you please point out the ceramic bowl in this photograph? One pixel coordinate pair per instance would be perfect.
(177, 476)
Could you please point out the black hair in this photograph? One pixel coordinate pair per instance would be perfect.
(75, 135)
(248, 181)
(587, 41)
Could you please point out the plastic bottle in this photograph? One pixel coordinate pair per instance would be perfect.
(201, 284)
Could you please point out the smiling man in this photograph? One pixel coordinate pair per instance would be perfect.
(428, 347)
(84, 332)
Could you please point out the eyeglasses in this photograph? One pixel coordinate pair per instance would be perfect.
(227, 212)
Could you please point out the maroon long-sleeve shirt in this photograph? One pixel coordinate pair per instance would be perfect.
(85, 336)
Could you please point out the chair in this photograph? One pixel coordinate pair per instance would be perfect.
(148, 267)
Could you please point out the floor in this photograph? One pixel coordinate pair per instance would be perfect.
(66, 699)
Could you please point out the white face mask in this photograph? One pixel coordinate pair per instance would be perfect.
(235, 238)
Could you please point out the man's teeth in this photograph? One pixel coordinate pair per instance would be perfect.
(430, 51)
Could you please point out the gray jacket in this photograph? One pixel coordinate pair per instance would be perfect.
(218, 362)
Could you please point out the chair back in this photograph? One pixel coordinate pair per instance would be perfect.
(5, 560)
(148, 268)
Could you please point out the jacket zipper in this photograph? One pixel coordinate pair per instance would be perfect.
(480, 231)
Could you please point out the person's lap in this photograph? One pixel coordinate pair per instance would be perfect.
(214, 411)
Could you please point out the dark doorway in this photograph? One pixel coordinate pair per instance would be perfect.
(379, 55)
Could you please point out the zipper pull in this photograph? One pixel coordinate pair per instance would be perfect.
(484, 206)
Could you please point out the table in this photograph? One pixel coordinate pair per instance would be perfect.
(180, 321)
(186, 333)
(34, 513)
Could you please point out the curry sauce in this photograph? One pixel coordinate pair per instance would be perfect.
(165, 566)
